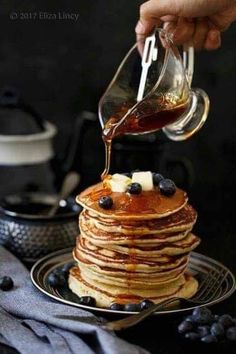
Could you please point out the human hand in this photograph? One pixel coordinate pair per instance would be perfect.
(199, 21)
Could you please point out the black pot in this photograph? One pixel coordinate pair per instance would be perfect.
(28, 232)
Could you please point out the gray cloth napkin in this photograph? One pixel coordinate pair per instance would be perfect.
(32, 322)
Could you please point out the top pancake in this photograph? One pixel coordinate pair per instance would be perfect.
(147, 205)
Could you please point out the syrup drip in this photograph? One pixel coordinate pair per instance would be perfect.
(108, 144)
(140, 122)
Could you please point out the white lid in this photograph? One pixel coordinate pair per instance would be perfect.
(27, 149)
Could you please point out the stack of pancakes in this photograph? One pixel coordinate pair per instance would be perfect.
(136, 250)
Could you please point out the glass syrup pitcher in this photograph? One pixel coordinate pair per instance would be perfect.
(151, 90)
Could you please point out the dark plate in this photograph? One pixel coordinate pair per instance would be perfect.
(199, 266)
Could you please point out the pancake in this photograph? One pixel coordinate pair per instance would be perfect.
(154, 252)
(138, 249)
(124, 262)
(133, 279)
(105, 295)
(180, 221)
(127, 207)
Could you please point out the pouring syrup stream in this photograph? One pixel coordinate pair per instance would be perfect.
(169, 111)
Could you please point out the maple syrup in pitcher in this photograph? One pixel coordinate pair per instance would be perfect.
(140, 122)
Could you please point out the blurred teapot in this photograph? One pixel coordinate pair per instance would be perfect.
(25, 146)
(28, 162)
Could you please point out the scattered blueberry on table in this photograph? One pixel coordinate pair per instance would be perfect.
(226, 320)
(202, 315)
(231, 333)
(202, 325)
(185, 326)
(6, 283)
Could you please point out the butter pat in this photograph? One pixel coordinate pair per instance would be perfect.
(118, 183)
(143, 178)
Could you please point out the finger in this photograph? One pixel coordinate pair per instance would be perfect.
(169, 18)
(151, 12)
(200, 34)
(144, 28)
(183, 31)
(213, 40)
(170, 27)
(140, 40)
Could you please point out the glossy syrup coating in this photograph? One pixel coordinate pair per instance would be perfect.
(149, 204)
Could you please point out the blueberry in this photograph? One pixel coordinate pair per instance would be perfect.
(157, 177)
(131, 307)
(56, 279)
(116, 307)
(185, 326)
(66, 267)
(202, 315)
(203, 330)
(189, 318)
(191, 335)
(231, 333)
(167, 187)
(216, 317)
(6, 283)
(145, 304)
(134, 188)
(105, 202)
(209, 339)
(226, 320)
(217, 329)
(87, 300)
(59, 272)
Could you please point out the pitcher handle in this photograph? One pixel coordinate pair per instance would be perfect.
(188, 61)
(195, 116)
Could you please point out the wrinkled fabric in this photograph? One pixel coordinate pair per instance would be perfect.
(32, 322)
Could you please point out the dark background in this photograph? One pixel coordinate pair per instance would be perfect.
(62, 68)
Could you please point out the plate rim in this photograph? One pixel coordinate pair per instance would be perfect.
(68, 250)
